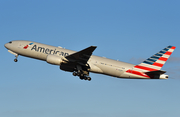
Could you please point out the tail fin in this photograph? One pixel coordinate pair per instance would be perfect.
(155, 62)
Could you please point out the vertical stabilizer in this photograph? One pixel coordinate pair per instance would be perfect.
(155, 62)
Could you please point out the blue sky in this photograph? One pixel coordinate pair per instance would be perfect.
(129, 31)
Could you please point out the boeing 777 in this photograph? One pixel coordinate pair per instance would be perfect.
(81, 63)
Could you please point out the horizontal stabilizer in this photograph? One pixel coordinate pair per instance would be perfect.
(156, 72)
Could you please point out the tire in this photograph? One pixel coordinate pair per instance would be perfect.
(85, 78)
(15, 60)
(89, 78)
(74, 74)
(81, 77)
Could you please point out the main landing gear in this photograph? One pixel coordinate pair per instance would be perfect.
(82, 76)
(16, 60)
(82, 72)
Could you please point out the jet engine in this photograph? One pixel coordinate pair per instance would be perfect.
(53, 59)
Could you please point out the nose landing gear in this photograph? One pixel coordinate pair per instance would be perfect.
(16, 60)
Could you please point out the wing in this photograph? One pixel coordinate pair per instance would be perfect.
(82, 56)
(77, 62)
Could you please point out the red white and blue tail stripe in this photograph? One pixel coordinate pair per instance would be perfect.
(152, 64)
(156, 61)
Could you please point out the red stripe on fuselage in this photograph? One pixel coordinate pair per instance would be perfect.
(145, 68)
(137, 73)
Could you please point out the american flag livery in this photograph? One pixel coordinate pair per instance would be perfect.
(154, 63)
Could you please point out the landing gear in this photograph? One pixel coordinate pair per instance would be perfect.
(16, 60)
(89, 78)
(85, 78)
(82, 76)
(82, 72)
(74, 74)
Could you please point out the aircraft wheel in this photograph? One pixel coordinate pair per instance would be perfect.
(81, 77)
(89, 78)
(15, 60)
(85, 78)
(74, 74)
(78, 74)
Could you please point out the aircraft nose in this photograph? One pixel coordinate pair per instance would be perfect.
(6, 45)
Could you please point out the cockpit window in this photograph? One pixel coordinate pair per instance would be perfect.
(10, 42)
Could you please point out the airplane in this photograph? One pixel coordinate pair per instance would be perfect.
(81, 63)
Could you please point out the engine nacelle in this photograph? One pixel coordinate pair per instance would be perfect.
(53, 59)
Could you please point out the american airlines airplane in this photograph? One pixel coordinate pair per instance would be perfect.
(82, 62)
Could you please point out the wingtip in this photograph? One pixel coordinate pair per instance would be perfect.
(94, 46)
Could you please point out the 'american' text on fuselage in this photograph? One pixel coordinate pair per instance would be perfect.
(48, 51)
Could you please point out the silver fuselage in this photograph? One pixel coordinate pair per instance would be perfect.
(97, 64)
